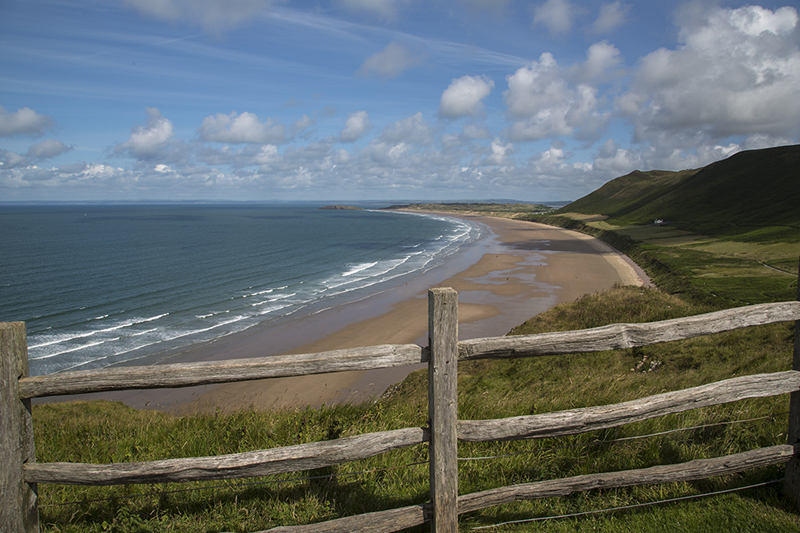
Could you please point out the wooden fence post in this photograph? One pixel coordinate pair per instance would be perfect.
(20, 511)
(443, 407)
(791, 484)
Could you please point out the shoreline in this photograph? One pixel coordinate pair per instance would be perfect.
(515, 271)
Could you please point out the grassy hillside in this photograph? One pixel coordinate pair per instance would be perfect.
(629, 193)
(741, 197)
(733, 232)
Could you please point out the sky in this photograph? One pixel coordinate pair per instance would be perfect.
(270, 100)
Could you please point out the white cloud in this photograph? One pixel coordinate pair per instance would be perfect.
(9, 160)
(601, 59)
(543, 104)
(556, 15)
(552, 169)
(464, 96)
(245, 128)
(148, 141)
(475, 131)
(213, 15)
(47, 149)
(266, 154)
(413, 129)
(356, 126)
(303, 123)
(611, 17)
(737, 72)
(24, 121)
(389, 62)
(615, 160)
(163, 169)
(500, 153)
(759, 140)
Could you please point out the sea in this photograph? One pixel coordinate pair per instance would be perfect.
(99, 285)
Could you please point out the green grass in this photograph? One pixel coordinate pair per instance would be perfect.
(110, 432)
(713, 271)
(752, 196)
(700, 275)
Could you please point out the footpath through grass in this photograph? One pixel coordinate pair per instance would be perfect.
(105, 432)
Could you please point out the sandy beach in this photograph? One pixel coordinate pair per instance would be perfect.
(516, 271)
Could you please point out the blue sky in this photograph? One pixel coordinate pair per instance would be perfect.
(382, 99)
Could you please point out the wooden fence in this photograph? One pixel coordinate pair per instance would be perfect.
(21, 473)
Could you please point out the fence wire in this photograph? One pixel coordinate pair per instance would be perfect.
(632, 506)
(620, 439)
(351, 474)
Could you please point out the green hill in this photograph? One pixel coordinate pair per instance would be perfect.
(742, 194)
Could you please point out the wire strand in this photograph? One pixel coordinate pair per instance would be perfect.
(346, 474)
(621, 439)
(632, 506)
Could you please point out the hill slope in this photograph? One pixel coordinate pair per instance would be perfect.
(748, 190)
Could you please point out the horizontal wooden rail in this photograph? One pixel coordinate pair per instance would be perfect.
(188, 374)
(232, 466)
(397, 519)
(332, 452)
(690, 471)
(620, 336)
(329, 453)
(389, 355)
(377, 522)
(574, 421)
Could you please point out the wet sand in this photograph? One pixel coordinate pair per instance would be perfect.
(518, 270)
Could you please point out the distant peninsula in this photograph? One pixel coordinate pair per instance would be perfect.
(342, 207)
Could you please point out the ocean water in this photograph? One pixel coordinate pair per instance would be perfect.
(99, 285)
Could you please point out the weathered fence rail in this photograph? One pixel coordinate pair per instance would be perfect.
(21, 472)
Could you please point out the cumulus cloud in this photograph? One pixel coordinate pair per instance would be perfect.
(213, 15)
(24, 121)
(245, 128)
(556, 15)
(611, 17)
(475, 131)
(413, 129)
(389, 62)
(601, 60)
(614, 160)
(737, 72)
(356, 125)
(500, 153)
(464, 96)
(10, 160)
(47, 149)
(543, 104)
(148, 141)
(303, 123)
(402, 144)
(553, 167)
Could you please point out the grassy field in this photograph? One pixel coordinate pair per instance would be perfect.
(729, 271)
(104, 432)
